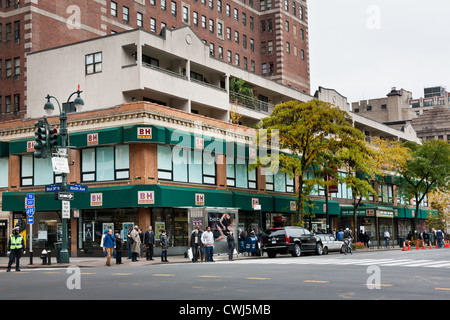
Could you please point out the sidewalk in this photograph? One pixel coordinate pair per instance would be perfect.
(100, 262)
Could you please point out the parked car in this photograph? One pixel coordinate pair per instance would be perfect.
(293, 240)
(330, 243)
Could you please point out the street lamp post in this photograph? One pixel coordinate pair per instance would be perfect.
(49, 108)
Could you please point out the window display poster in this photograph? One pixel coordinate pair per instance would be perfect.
(159, 227)
(221, 223)
(88, 231)
(125, 228)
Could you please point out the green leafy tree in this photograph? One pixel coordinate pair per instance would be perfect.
(427, 170)
(309, 131)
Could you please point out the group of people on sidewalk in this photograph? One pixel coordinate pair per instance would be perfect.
(137, 241)
(202, 244)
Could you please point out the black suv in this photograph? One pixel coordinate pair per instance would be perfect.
(293, 240)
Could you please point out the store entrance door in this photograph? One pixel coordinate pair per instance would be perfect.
(3, 237)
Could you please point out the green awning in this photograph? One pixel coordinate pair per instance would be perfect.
(245, 201)
(284, 204)
(144, 133)
(317, 206)
(368, 210)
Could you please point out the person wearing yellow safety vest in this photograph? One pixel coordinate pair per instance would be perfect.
(16, 245)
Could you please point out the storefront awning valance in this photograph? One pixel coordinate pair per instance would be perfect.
(318, 206)
(368, 210)
(4, 149)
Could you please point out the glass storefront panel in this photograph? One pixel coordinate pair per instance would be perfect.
(92, 224)
(175, 222)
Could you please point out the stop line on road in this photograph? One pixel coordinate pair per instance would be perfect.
(360, 262)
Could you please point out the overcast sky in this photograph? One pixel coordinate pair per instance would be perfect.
(362, 48)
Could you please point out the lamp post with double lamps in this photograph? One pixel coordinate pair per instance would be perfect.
(49, 108)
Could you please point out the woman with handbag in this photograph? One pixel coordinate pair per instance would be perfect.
(164, 245)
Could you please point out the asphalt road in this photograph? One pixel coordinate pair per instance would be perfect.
(387, 275)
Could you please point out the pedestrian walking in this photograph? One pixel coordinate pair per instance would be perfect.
(136, 243)
(16, 246)
(386, 238)
(119, 248)
(196, 244)
(164, 245)
(241, 240)
(231, 245)
(439, 237)
(149, 242)
(208, 243)
(109, 244)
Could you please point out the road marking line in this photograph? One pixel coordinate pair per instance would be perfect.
(122, 274)
(209, 276)
(316, 281)
(88, 273)
(445, 289)
(51, 272)
(378, 284)
(254, 278)
(162, 275)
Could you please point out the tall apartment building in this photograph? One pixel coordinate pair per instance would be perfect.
(264, 37)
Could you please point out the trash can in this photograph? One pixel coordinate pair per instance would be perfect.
(58, 247)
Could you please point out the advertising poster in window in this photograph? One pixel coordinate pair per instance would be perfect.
(221, 222)
(88, 231)
(125, 229)
(159, 227)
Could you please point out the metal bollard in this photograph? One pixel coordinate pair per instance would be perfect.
(49, 257)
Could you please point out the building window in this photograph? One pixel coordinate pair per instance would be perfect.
(252, 45)
(126, 15)
(228, 33)
(288, 47)
(8, 32)
(94, 63)
(105, 163)
(185, 14)
(16, 67)
(195, 18)
(229, 56)
(236, 59)
(186, 165)
(211, 50)
(140, 20)
(203, 22)
(236, 14)
(152, 25)
(16, 31)
(252, 66)
(16, 102)
(239, 174)
(219, 29)
(174, 8)
(37, 172)
(113, 9)
(279, 182)
(270, 47)
(211, 25)
(264, 68)
(163, 4)
(4, 172)
(219, 5)
(251, 24)
(8, 68)
(228, 10)
(236, 36)
(220, 53)
(300, 10)
(302, 54)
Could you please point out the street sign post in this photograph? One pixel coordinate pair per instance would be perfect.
(30, 210)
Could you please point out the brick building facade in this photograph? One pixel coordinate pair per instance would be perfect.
(264, 37)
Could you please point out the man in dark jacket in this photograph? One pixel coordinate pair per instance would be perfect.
(149, 242)
(119, 248)
(196, 243)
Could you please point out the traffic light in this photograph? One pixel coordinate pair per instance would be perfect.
(52, 138)
(40, 146)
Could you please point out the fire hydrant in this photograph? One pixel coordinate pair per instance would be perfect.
(44, 257)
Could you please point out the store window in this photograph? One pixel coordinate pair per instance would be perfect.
(37, 172)
(93, 223)
(105, 163)
(280, 182)
(175, 222)
(239, 173)
(3, 172)
(186, 165)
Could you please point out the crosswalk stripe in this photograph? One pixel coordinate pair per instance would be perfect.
(353, 261)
